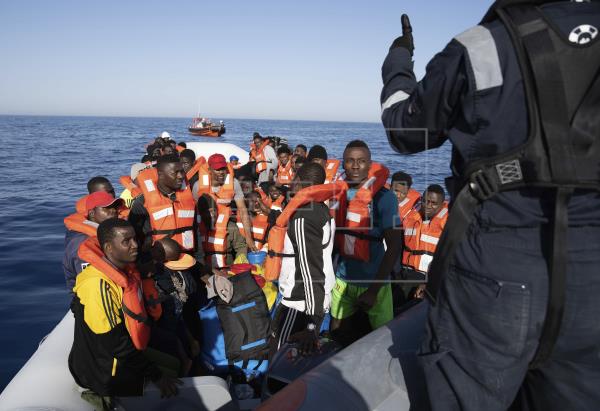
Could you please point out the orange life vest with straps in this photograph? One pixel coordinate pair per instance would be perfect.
(195, 168)
(331, 169)
(173, 219)
(421, 238)
(353, 218)
(285, 174)
(136, 319)
(408, 203)
(214, 241)
(152, 298)
(276, 238)
(258, 155)
(260, 225)
(128, 183)
(78, 222)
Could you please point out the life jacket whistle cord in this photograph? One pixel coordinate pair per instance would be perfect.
(562, 87)
(353, 218)
(136, 319)
(173, 219)
(276, 237)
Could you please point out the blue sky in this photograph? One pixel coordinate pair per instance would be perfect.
(230, 59)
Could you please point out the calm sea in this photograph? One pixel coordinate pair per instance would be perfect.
(47, 163)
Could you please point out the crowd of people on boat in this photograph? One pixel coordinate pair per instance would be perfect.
(279, 241)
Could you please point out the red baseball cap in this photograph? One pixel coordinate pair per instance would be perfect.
(217, 161)
(100, 199)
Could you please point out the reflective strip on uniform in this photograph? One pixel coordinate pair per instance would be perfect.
(483, 55)
(369, 182)
(220, 218)
(149, 185)
(429, 239)
(227, 179)
(410, 231)
(165, 212)
(276, 208)
(187, 238)
(424, 262)
(218, 260)
(216, 241)
(404, 202)
(354, 217)
(258, 230)
(205, 181)
(185, 213)
(397, 97)
(442, 213)
(223, 201)
(90, 223)
(330, 166)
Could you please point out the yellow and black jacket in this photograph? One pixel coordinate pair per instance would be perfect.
(103, 357)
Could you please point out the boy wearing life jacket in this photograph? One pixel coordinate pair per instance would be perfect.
(306, 278)
(318, 154)
(110, 336)
(187, 158)
(285, 171)
(276, 198)
(407, 197)
(259, 213)
(166, 208)
(422, 231)
(265, 157)
(366, 217)
(99, 206)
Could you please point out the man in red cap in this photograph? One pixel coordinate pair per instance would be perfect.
(219, 182)
(99, 206)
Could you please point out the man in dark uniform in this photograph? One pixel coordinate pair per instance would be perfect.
(514, 281)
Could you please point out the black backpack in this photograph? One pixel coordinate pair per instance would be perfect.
(245, 321)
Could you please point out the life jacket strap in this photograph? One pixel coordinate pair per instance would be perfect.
(139, 318)
(170, 233)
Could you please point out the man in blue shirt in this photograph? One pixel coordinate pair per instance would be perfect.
(362, 281)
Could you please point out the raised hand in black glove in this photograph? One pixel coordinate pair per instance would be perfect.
(406, 39)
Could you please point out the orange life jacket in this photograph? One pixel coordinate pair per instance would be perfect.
(258, 155)
(136, 319)
(331, 169)
(408, 203)
(214, 241)
(195, 168)
(128, 183)
(79, 223)
(353, 218)
(81, 207)
(173, 219)
(260, 225)
(276, 238)
(152, 298)
(285, 174)
(276, 205)
(226, 192)
(421, 238)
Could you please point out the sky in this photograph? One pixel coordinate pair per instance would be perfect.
(300, 60)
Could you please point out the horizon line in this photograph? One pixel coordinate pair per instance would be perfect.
(182, 117)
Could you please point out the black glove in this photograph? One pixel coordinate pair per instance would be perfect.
(406, 39)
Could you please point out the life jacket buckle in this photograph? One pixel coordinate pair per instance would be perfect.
(481, 185)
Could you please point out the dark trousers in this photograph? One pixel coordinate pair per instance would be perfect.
(485, 328)
(286, 322)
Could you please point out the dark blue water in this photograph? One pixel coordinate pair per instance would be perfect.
(46, 167)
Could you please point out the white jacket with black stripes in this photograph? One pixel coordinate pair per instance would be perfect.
(306, 280)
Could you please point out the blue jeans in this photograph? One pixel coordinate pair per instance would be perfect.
(485, 328)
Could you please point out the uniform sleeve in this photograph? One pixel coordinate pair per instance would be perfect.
(306, 233)
(427, 107)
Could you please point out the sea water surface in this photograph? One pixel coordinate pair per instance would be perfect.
(47, 163)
